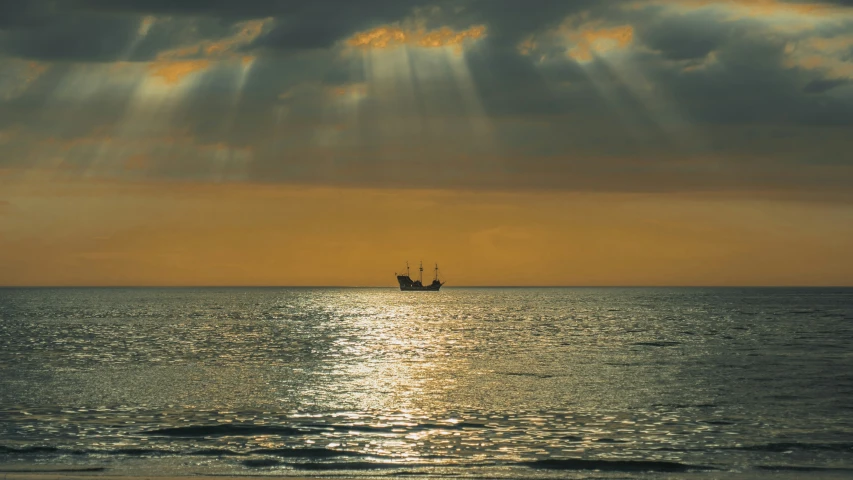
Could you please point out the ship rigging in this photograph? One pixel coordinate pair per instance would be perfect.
(407, 284)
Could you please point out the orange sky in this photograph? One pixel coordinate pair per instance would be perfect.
(647, 142)
(75, 232)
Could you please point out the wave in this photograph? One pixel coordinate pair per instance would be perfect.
(786, 446)
(231, 429)
(55, 470)
(685, 405)
(261, 462)
(524, 374)
(312, 453)
(355, 465)
(224, 430)
(613, 465)
(38, 449)
(392, 428)
(134, 451)
(656, 344)
(798, 468)
(307, 452)
(214, 452)
(32, 449)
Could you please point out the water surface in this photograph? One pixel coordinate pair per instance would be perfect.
(520, 383)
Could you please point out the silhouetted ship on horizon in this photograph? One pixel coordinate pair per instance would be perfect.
(407, 284)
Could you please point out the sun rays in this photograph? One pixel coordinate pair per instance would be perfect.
(618, 56)
(607, 56)
(152, 94)
(667, 140)
(18, 75)
(418, 91)
(432, 95)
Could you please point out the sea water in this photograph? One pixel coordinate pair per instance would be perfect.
(490, 382)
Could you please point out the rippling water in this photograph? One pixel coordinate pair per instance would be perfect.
(464, 382)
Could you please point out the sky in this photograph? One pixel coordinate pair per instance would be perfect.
(308, 142)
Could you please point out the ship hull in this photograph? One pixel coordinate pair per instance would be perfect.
(409, 285)
(413, 288)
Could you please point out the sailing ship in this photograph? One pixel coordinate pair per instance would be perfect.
(407, 284)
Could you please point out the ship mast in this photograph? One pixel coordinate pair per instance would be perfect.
(421, 274)
(436, 273)
(407, 269)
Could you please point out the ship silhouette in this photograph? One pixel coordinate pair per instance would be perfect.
(407, 284)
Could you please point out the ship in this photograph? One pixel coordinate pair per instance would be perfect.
(409, 285)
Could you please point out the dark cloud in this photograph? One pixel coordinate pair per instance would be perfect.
(509, 21)
(332, 20)
(24, 14)
(321, 25)
(746, 82)
(100, 30)
(224, 9)
(824, 85)
(77, 37)
(684, 37)
(706, 102)
(56, 31)
(509, 83)
(298, 24)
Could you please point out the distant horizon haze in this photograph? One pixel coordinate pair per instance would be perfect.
(108, 233)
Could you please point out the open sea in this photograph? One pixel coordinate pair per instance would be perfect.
(466, 382)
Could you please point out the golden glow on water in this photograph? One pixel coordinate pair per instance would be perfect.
(498, 382)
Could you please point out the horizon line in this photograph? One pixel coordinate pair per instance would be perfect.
(451, 287)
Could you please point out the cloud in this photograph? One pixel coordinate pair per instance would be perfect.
(315, 25)
(174, 64)
(821, 86)
(655, 96)
(352, 92)
(50, 35)
(691, 35)
(391, 36)
(380, 37)
(828, 55)
(816, 34)
(579, 37)
(446, 36)
(589, 40)
(769, 10)
(173, 71)
(246, 33)
(18, 75)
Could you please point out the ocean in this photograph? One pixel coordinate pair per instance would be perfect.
(466, 382)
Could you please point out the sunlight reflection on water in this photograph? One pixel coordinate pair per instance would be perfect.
(496, 382)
